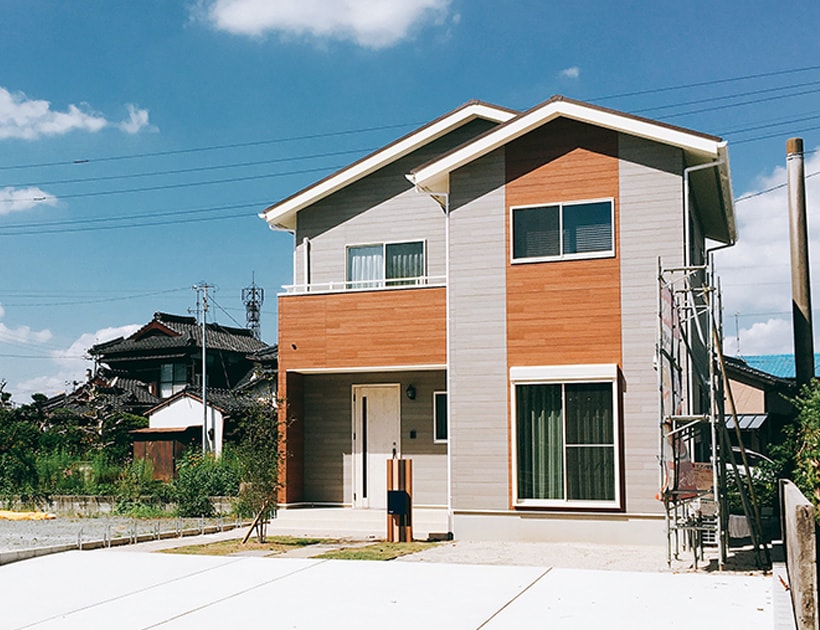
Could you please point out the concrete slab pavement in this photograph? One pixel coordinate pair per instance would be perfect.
(99, 589)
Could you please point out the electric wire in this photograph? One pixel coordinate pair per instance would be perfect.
(218, 147)
(197, 169)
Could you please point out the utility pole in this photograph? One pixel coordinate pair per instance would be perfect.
(801, 287)
(206, 439)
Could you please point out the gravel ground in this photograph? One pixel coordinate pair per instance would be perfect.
(16, 535)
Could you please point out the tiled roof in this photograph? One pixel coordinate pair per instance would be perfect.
(268, 354)
(781, 365)
(741, 369)
(168, 332)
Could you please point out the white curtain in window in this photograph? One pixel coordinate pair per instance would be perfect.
(365, 266)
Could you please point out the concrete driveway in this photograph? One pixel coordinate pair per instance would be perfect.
(104, 589)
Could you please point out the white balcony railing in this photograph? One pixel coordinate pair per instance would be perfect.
(365, 285)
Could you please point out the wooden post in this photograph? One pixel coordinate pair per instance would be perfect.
(399, 500)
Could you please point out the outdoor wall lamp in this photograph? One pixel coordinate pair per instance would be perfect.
(411, 392)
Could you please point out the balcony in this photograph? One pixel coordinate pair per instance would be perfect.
(317, 288)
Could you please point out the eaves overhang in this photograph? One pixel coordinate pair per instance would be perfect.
(434, 176)
(282, 215)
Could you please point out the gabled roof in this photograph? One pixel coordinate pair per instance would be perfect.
(283, 214)
(166, 333)
(698, 148)
(220, 399)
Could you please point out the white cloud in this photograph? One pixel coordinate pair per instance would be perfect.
(571, 73)
(774, 336)
(69, 365)
(77, 350)
(137, 120)
(48, 385)
(29, 119)
(368, 23)
(756, 273)
(22, 334)
(19, 199)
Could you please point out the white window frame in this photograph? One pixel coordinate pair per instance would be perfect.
(436, 439)
(563, 375)
(383, 283)
(608, 253)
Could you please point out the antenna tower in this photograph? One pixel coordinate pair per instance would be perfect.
(253, 297)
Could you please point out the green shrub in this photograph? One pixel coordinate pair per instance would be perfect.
(137, 490)
(200, 477)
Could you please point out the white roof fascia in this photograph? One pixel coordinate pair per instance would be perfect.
(282, 215)
(431, 177)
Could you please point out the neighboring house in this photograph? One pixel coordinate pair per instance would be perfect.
(260, 382)
(166, 354)
(165, 357)
(175, 425)
(762, 388)
(105, 392)
(480, 296)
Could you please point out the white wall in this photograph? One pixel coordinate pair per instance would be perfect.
(187, 412)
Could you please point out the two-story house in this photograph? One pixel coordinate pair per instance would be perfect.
(480, 296)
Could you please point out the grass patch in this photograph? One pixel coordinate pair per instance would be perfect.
(377, 551)
(273, 545)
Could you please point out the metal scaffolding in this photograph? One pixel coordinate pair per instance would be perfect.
(691, 411)
(695, 448)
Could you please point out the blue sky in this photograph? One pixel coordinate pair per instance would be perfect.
(139, 140)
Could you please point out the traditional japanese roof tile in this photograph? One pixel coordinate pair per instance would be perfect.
(167, 332)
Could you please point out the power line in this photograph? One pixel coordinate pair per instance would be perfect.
(218, 147)
(686, 86)
(771, 189)
(268, 141)
(104, 300)
(197, 169)
(101, 193)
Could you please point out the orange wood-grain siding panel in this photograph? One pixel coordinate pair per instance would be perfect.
(563, 312)
(360, 329)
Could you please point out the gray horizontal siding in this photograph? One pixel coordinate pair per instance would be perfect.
(379, 208)
(478, 331)
(651, 225)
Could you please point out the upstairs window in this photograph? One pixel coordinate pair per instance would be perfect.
(173, 377)
(563, 230)
(386, 264)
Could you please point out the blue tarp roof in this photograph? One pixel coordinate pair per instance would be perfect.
(781, 365)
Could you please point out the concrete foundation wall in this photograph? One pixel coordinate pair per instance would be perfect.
(608, 529)
(800, 538)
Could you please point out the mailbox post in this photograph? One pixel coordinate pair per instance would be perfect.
(399, 500)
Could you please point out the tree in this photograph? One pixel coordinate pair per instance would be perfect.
(807, 438)
(259, 459)
(19, 442)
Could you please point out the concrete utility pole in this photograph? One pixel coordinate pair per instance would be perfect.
(801, 286)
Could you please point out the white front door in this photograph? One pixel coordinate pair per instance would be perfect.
(376, 438)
